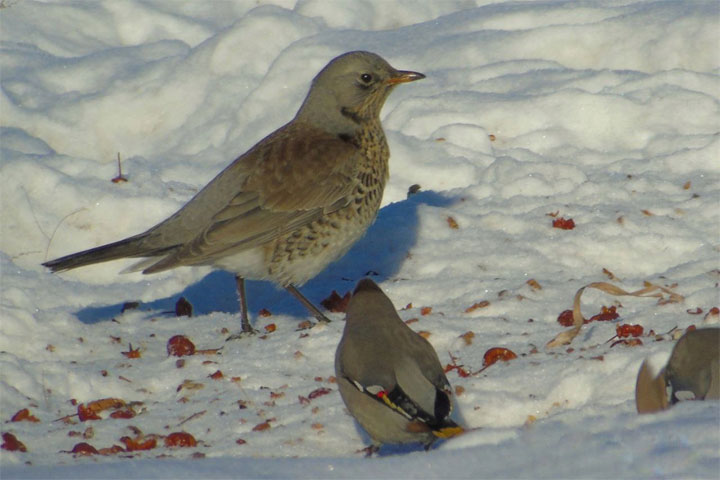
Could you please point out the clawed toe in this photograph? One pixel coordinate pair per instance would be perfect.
(241, 334)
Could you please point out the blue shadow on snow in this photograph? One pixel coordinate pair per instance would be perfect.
(380, 254)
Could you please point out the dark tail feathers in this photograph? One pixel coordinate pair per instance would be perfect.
(128, 248)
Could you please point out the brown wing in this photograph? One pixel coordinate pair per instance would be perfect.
(289, 179)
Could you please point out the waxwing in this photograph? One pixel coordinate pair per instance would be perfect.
(692, 373)
(389, 377)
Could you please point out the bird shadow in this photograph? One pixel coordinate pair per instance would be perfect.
(380, 253)
(392, 449)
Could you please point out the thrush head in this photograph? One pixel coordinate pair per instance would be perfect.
(350, 91)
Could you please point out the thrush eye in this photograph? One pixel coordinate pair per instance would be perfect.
(366, 78)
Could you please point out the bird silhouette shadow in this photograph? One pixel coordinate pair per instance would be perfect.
(380, 254)
(392, 449)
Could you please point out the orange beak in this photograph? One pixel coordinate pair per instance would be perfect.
(404, 76)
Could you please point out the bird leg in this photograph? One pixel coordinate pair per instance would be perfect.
(370, 450)
(308, 304)
(244, 319)
(246, 329)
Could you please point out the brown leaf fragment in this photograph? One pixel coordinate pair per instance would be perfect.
(83, 448)
(319, 392)
(111, 450)
(565, 318)
(180, 345)
(24, 416)
(132, 353)
(534, 284)
(261, 427)
(606, 314)
(475, 306)
(336, 303)
(124, 413)
(453, 365)
(496, 354)
(563, 223)
(630, 342)
(190, 385)
(452, 223)
(305, 325)
(468, 337)
(609, 274)
(180, 439)
(183, 308)
(271, 327)
(140, 442)
(91, 410)
(12, 444)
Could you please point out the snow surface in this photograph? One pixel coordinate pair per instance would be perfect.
(604, 112)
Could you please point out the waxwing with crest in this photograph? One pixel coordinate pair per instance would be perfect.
(389, 377)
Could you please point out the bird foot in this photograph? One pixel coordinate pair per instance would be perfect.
(369, 450)
(244, 333)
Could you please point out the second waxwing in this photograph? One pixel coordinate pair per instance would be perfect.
(694, 366)
(389, 377)
(692, 373)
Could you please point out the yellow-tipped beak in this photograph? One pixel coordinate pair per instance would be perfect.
(404, 76)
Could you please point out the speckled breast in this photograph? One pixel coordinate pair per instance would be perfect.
(301, 255)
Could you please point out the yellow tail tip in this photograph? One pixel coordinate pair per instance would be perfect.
(448, 432)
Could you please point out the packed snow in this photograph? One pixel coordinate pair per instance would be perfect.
(606, 113)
